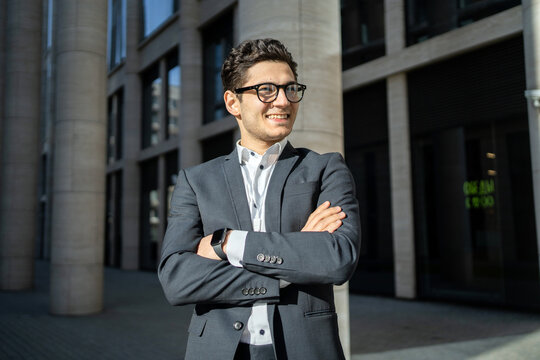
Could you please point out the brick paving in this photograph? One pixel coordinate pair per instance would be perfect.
(138, 323)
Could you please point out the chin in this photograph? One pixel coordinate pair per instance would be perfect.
(280, 136)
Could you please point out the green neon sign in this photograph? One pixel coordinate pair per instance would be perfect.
(479, 194)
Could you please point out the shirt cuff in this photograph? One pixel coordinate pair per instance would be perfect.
(235, 247)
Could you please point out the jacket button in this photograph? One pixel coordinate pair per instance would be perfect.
(245, 291)
(273, 259)
(260, 257)
(266, 258)
(251, 291)
(257, 291)
(238, 325)
(263, 290)
(279, 261)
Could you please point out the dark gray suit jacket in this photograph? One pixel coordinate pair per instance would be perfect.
(302, 315)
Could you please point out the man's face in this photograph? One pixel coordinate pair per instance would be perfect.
(264, 124)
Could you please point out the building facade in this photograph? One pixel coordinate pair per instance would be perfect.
(425, 100)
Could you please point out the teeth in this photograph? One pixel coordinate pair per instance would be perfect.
(282, 116)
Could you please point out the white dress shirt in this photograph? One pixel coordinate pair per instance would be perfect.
(256, 171)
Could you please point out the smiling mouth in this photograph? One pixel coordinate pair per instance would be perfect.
(278, 116)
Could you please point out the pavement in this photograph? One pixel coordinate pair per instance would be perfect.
(137, 323)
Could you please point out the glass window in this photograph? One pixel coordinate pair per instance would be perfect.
(155, 13)
(43, 207)
(362, 31)
(151, 107)
(173, 94)
(113, 220)
(114, 126)
(50, 17)
(116, 39)
(171, 175)
(150, 215)
(110, 131)
(217, 145)
(119, 123)
(426, 19)
(366, 154)
(217, 40)
(472, 180)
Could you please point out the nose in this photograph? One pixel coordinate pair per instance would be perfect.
(281, 99)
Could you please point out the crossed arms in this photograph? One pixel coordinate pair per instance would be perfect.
(325, 251)
(324, 218)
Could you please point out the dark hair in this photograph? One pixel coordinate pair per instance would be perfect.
(249, 53)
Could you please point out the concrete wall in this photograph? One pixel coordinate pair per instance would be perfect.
(20, 139)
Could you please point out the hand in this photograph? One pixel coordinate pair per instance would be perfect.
(206, 250)
(325, 218)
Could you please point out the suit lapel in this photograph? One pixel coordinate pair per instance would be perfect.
(274, 194)
(237, 191)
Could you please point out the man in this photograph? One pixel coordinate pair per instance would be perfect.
(257, 238)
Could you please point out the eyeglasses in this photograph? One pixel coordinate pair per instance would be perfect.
(268, 92)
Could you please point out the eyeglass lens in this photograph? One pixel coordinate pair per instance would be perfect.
(269, 92)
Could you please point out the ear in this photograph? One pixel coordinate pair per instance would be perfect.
(232, 103)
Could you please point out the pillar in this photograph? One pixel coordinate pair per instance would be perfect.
(400, 157)
(311, 30)
(191, 60)
(20, 141)
(2, 64)
(531, 38)
(131, 142)
(79, 158)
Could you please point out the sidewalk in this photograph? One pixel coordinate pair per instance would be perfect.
(138, 323)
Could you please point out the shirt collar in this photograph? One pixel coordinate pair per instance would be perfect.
(270, 156)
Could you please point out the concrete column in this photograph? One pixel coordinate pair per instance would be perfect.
(20, 139)
(401, 186)
(131, 142)
(2, 67)
(311, 30)
(531, 37)
(191, 60)
(394, 22)
(79, 158)
(400, 157)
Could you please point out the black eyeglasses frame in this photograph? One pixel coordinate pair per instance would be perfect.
(284, 87)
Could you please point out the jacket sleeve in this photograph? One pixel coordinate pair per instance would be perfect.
(187, 278)
(313, 257)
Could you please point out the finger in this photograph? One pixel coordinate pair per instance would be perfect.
(326, 213)
(319, 209)
(324, 223)
(315, 213)
(318, 221)
(334, 226)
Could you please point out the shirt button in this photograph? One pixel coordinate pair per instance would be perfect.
(261, 332)
(261, 167)
(238, 325)
(252, 153)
